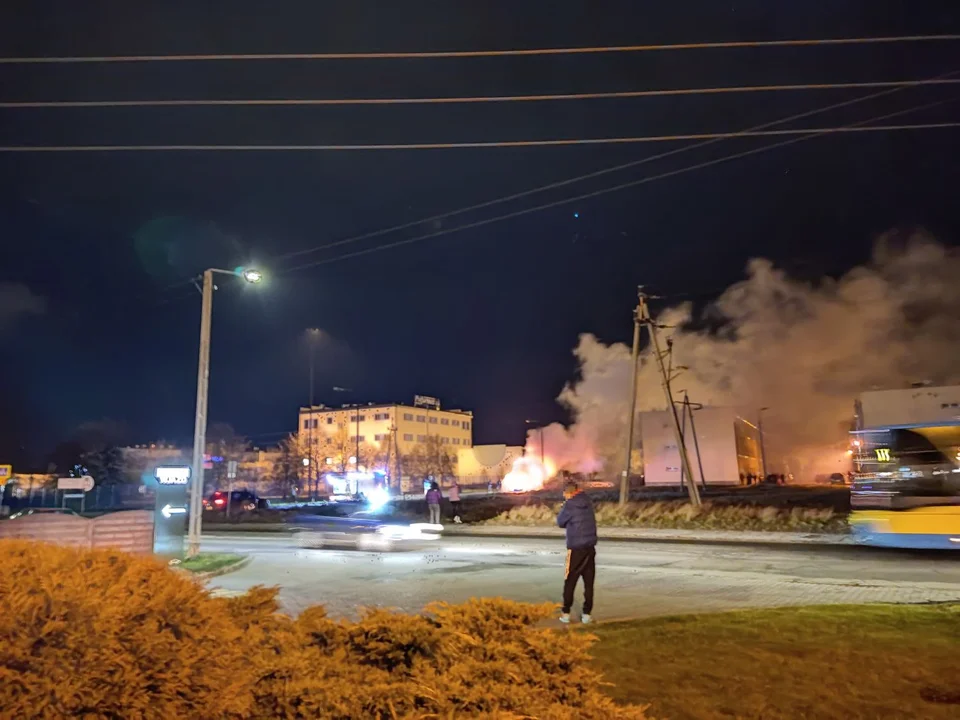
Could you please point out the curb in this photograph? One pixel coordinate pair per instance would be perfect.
(227, 569)
(719, 537)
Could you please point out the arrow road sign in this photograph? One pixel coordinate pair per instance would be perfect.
(169, 510)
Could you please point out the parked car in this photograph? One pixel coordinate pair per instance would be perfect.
(240, 501)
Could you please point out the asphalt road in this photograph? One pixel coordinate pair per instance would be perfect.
(634, 579)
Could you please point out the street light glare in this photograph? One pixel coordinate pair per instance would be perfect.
(252, 276)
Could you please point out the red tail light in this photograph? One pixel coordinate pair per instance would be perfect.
(218, 501)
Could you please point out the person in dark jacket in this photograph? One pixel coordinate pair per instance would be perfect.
(577, 518)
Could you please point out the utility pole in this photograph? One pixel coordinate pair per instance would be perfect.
(763, 451)
(313, 469)
(634, 355)
(200, 417)
(644, 317)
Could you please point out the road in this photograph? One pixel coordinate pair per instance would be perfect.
(634, 579)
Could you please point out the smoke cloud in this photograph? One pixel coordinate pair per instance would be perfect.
(803, 350)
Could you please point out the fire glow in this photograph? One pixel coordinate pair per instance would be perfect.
(528, 474)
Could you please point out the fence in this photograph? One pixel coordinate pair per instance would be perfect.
(100, 499)
(130, 531)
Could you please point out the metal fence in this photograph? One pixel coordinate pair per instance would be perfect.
(98, 500)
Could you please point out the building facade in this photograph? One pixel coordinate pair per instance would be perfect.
(339, 433)
(727, 447)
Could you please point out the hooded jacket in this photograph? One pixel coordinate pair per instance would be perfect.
(576, 516)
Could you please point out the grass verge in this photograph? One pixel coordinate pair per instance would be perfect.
(210, 562)
(840, 661)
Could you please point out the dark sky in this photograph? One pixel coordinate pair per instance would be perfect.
(484, 318)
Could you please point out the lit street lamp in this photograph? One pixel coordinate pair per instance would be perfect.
(203, 382)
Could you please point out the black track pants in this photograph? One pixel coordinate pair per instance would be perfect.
(580, 564)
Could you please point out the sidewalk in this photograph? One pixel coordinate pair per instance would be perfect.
(654, 535)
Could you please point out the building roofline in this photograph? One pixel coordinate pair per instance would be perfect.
(375, 406)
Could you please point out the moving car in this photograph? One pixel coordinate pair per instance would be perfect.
(367, 534)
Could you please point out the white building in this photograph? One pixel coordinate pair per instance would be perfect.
(729, 447)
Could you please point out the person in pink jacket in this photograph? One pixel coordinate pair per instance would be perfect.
(453, 494)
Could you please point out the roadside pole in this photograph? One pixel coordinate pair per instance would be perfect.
(645, 318)
(200, 419)
(625, 477)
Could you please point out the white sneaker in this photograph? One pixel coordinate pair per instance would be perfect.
(586, 619)
(565, 618)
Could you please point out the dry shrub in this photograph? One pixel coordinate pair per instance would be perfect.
(683, 515)
(103, 634)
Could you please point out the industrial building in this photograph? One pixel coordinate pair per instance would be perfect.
(725, 449)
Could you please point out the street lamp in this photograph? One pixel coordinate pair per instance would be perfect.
(203, 382)
(534, 422)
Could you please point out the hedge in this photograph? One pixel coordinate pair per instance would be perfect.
(102, 634)
(683, 515)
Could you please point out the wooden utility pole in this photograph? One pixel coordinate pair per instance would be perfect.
(635, 352)
(644, 317)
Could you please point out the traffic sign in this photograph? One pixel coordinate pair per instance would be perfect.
(84, 483)
(6, 473)
(232, 469)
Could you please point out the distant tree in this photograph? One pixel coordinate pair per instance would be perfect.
(106, 466)
(224, 443)
(288, 466)
(431, 459)
(339, 446)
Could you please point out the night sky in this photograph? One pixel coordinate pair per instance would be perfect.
(484, 319)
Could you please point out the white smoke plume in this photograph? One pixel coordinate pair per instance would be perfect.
(803, 350)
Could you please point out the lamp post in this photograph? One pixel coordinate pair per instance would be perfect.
(200, 418)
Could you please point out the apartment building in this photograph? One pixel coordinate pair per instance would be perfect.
(402, 426)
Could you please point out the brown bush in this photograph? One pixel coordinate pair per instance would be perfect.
(682, 515)
(107, 635)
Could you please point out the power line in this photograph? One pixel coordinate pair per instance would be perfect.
(284, 102)
(595, 193)
(811, 42)
(564, 142)
(587, 176)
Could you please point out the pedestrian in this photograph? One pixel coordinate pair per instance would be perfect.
(577, 518)
(433, 503)
(453, 494)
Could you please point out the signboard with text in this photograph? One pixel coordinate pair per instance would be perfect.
(170, 513)
(425, 401)
(6, 472)
(84, 483)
